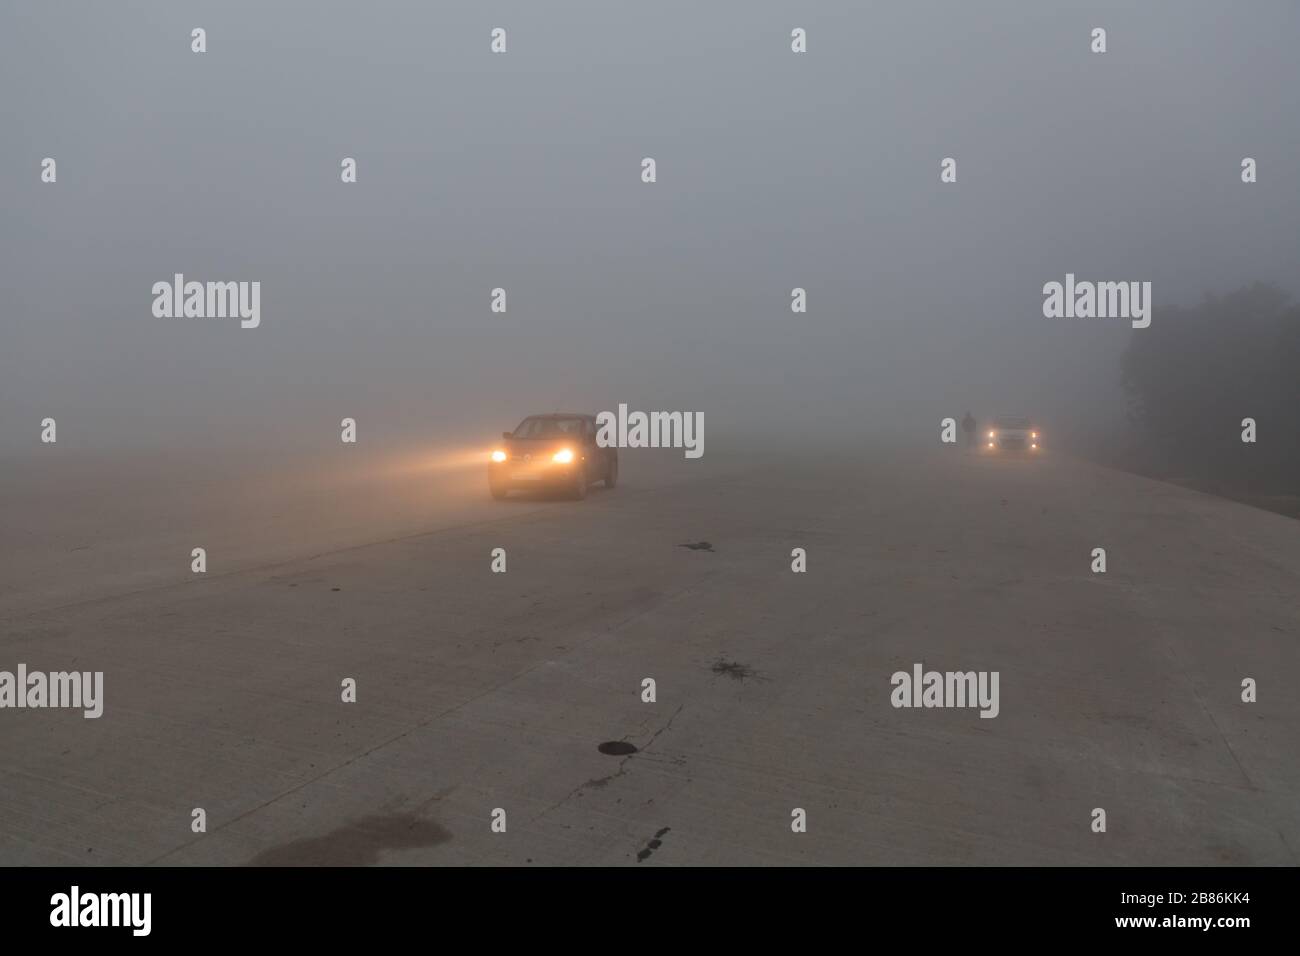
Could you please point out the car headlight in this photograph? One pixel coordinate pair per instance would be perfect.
(1033, 434)
(991, 434)
(990, 444)
(563, 456)
(498, 455)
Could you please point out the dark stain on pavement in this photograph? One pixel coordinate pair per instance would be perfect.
(616, 748)
(734, 670)
(359, 843)
(697, 546)
(653, 845)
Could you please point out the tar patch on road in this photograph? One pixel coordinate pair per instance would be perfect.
(697, 546)
(616, 748)
(653, 845)
(359, 843)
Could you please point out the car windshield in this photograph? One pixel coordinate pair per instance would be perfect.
(549, 428)
(1013, 423)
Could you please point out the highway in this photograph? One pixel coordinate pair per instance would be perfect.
(479, 692)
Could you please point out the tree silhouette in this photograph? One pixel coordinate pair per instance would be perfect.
(1194, 374)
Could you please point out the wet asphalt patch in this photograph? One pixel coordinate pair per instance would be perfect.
(357, 843)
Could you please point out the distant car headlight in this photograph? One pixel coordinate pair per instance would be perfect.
(498, 455)
(990, 444)
(1033, 434)
(1034, 445)
(563, 456)
(991, 435)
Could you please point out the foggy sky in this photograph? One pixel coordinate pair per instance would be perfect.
(522, 170)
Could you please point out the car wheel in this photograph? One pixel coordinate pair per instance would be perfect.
(611, 476)
(580, 485)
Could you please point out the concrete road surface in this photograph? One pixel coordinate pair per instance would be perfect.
(478, 691)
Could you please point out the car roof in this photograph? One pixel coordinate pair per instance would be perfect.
(563, 415)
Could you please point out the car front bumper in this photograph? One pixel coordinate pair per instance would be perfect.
(1011, 445)
(532, 474)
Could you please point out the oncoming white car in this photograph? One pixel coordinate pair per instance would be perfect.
(1011, 434)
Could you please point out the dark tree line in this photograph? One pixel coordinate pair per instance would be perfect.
(1194, 374)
